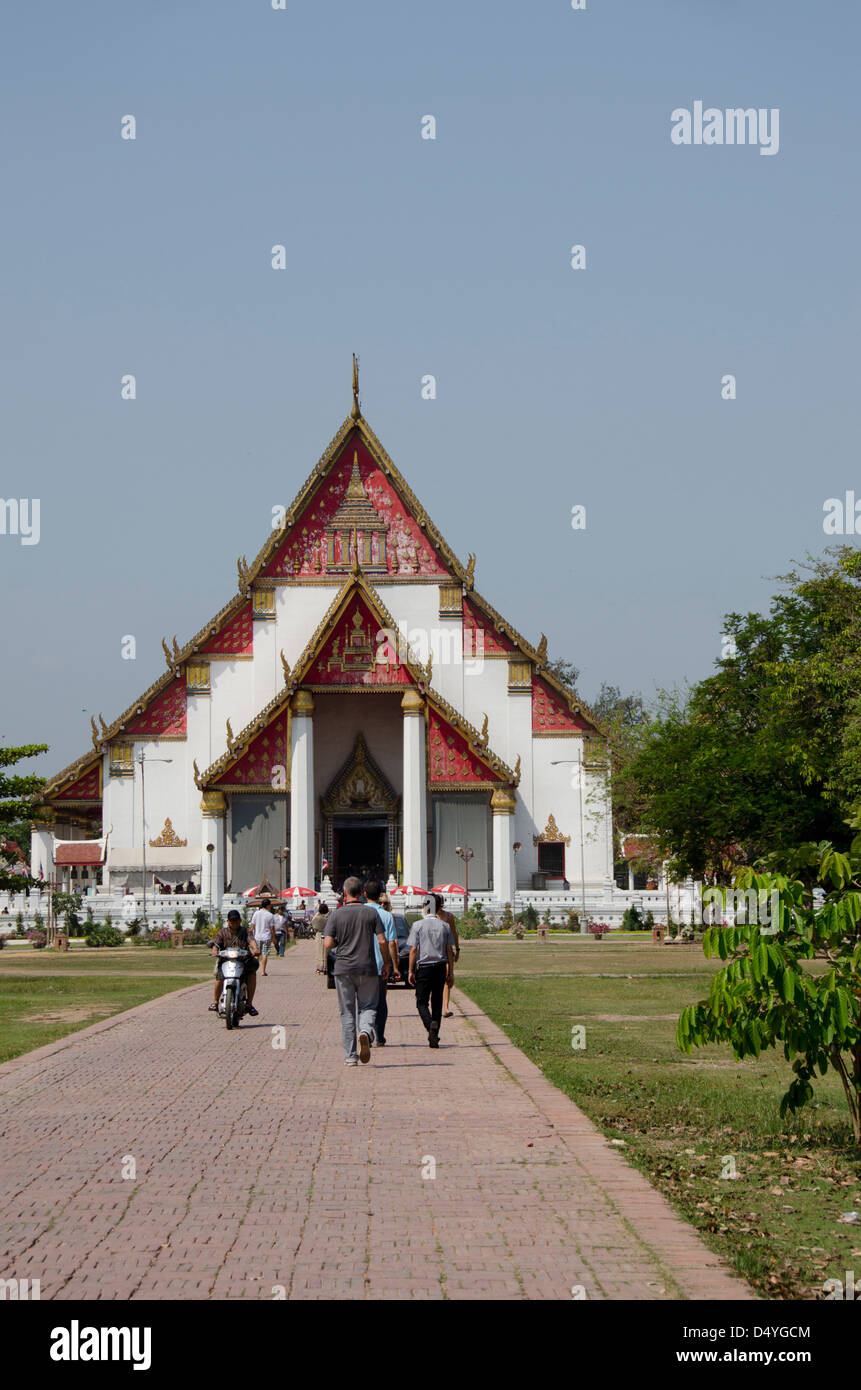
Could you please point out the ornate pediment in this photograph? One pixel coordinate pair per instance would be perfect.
(551, 834)
(360, 787)
(168, 839)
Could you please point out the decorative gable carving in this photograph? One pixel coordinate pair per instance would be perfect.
(360, 787)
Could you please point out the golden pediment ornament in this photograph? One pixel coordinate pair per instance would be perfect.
(168, 839)
(551, 834)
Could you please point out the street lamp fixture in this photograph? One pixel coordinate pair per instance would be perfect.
(465, 853)
(281, 855)
(210, 849)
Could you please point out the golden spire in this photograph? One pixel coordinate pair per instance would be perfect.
(355, 487)
(354, 413)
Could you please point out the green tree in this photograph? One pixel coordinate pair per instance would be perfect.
(15, 803)
(764, 754)
(764, 996)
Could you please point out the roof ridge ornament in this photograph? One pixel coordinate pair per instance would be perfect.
(355, 412)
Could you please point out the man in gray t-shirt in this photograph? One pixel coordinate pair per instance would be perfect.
(431, 966)
(354, 929)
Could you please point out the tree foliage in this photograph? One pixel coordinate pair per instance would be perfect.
(764, 995)
(766, 753)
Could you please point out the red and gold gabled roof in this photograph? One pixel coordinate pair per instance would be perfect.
(233, 639)
(413, 549)
(164, 717)
(553, 715)
(324, 666)
(454, 760)
(87, 786)
(264, 764)
(481, 639)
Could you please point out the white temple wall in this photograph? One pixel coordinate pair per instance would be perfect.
(232, 685)
(299, 613)
(197, 746)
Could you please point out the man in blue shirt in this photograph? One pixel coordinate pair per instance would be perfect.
(373, 893)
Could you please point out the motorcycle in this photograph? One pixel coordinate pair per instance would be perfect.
(233, 1003)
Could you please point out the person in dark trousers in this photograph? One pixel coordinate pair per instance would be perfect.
(354, 929)
(373, 892)
(431, 966)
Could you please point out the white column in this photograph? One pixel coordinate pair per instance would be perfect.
(302, 865)
(41, 850)
(212, 809)
(502, 804)
(415, 851)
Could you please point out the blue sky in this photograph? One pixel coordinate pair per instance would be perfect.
(556, 387)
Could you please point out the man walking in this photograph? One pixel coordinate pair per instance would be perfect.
(373, 893)
(354, 930)
(431, 966)
(280, 930)
(263, 923)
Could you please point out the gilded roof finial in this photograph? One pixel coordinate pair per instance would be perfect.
(285, 666)
(542, 649)
(354, 413)
(95, 731)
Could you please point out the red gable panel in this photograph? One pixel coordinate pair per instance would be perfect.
(358, 652)
(304, 550)
(264, 763)
(550, 713)
(480, 639)
(87, 788)
(450, 758)
(165, 717)
(236, 638)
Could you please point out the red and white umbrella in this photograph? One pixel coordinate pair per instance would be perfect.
(298, 893)
(251, 892)
(449, 888)
(411, 891)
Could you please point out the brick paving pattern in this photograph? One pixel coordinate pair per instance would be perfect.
(262, 1172)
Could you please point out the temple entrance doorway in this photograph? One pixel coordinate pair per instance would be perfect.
(360, 849)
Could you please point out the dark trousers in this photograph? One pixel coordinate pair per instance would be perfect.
(382, 1012)
(430, 982)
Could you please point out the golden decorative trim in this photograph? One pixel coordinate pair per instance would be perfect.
(213, 803)
(285, 667)
(171, 657)
(354, 409)
(451, 601)
(469, 576)
(302, 702)
(263, 603)
(168, 839)
(519, 674)
(412, 703)
(551, 834)
(541, 649)
(503, 801)
(462, 786)
(359, 786)
(122, 760)
(197, 678)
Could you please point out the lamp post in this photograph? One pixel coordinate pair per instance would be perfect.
(142, 760)
(210, 849)
(465, 853)
(281, 856)
(517, 847)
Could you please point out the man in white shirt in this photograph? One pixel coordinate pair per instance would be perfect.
(263, 923)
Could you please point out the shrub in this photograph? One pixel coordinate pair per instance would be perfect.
(133, 927)
(219, 921)
(37, 939)
(19, 924)
(177, 920)
(546, 919)
(201, 919)
(528, 918)
(573, 919)
(469, 927)
(197, 936)
(632, 919)
(2, 942)
(598, 929)
(506, 921)
(649, 920)
(38, 923)
(104, 935)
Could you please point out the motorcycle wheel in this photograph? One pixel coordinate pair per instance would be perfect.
(230, 1005)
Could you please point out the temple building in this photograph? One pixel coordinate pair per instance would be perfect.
(356, 703)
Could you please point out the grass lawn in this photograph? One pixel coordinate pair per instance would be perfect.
(681, 1118)
(46, 994)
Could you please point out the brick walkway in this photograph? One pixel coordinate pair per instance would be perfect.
(260, 1170)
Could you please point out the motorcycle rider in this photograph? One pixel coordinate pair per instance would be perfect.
(235, 935)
